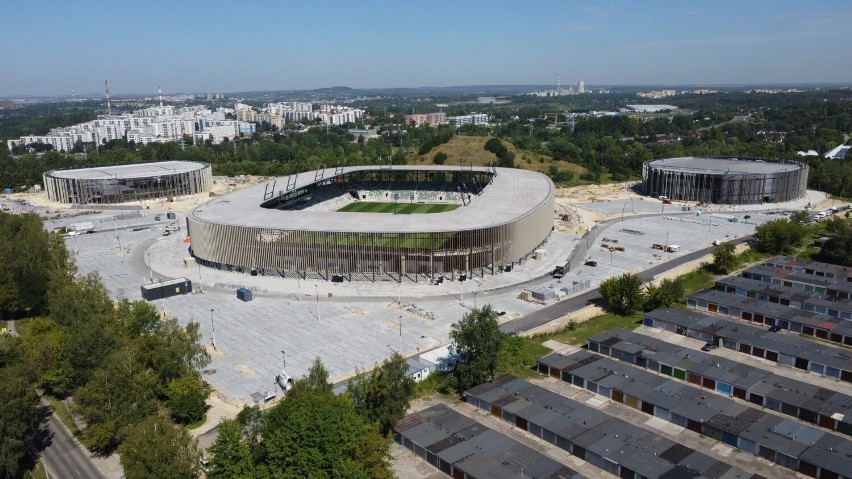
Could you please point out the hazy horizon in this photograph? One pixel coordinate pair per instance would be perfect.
(52, 48)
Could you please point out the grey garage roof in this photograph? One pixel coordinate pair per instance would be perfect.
(139, 170)
(513, 194)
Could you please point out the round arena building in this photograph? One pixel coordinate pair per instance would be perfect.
(123, 183)
(729, 181)
(377, 223)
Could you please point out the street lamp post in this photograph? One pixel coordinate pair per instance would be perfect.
(316, 290)
(212, 327)
(150, 268)
(284, 360)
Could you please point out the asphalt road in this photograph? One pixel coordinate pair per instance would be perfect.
(61, 454)
(556, 310)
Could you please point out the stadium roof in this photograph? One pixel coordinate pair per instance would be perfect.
(512, 195)
(692, 164)
(140, 170)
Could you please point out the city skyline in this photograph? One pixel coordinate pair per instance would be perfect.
(58, 47)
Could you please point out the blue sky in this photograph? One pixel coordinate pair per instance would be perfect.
(52, 47)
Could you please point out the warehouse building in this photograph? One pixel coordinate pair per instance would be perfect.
(796, 446)
(607, 442)
(463, 448)
(793, 351)
(813, 404)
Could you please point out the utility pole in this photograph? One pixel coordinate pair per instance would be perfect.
(213, 339)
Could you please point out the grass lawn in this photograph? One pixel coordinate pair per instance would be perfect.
(400, 208)
(585, 330)
(697, 280)
(197, 424)
(62, 413)
(37, 472)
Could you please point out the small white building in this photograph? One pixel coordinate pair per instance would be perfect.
(838, 153)
(440, 359)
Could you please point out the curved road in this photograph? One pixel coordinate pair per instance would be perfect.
(553, 311)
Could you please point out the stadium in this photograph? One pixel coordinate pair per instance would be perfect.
(123, 183)
(377, 223)
(729, 181)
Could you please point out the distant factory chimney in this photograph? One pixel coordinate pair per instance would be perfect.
(160, 91)
(581, 87)
(109, 107)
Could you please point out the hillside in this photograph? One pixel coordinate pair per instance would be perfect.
(474, 147)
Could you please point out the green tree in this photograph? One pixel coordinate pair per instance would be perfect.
(157, 448)
(838, 248)
(32, 259)
(119, 395)
(187, 399)
(139, 318)
(665, 295)
(383, 395)
(231, 453)
(476, 341)
(172, 352)
(779, 237)
(724, 258)
(314, 433)
(440, 158)
(19, 418)
(45, 346)
(623, 294)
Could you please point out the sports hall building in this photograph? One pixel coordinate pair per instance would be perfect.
(729, 181)
(123, 183)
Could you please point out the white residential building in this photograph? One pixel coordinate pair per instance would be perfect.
(474, 119)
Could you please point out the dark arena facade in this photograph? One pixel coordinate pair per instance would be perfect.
(123, 183)
(471, 221)
(727, 181)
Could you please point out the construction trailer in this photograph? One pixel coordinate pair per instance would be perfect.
(166, 289)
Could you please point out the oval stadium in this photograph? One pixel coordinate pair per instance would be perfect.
(123, 183)
(377, 223)
(729, 181)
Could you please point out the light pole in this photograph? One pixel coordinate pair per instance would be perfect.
(213, 338)
(316, 290)
(622, 211)
(284, 360)
(150, 268)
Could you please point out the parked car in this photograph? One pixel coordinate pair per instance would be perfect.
(708, 347)
(591, 263)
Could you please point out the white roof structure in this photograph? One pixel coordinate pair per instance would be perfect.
(513, 194)
(838, 153)
(650, 108)
(722, 165)
(139, 170)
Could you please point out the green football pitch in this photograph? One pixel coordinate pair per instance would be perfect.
(398, 208)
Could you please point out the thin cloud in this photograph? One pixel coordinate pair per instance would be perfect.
(584, 27)
(603, 12)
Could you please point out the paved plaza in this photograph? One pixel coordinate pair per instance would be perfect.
(354, 325)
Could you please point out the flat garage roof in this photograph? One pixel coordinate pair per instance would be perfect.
(513, 194)
(139, 170)
(694, 164)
